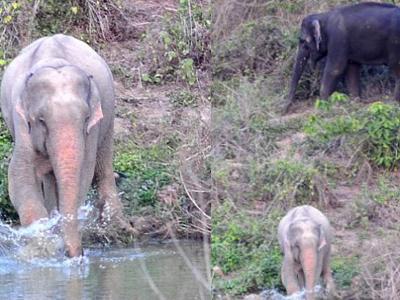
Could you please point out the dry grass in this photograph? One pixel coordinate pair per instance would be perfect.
(228, 14)
(380, 271)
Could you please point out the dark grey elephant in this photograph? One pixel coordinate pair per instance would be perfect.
(305, 237)
(364, 33)
(57, 98)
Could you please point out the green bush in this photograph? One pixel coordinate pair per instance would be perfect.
(55, 16)
(246, 248)
(344, 270)
(289, 182)
(146, 170)
(374, 130)
(183, 98)
(7, 211)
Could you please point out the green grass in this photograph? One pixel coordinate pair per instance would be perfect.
(245, 247)
(344, 270)
(371, 131)
(183, 98)
(147, 169)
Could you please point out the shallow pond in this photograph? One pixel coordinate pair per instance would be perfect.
(173, 270)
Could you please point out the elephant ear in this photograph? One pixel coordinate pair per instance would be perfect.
(287, 249)
(322, 239)
(317, 33)
(20, 107)
(20, 110)
(289, 239)
(96, 113)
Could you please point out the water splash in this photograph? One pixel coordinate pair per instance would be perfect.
(38, 246)
(40, 240)
(275, 295)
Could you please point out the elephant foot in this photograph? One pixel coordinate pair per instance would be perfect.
(31, 212)
(331, 289)
(287, 107)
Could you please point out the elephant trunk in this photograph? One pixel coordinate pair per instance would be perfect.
(309, 264)
(301, 60)
(66, 158)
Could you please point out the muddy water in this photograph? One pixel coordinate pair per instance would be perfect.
(173, 270)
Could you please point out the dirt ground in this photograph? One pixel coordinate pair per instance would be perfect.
(145, 113)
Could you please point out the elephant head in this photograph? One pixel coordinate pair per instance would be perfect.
(305, 241)
(60, 105)
(312, 45)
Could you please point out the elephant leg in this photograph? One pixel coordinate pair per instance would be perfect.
(288, 276)
(327, 276)
(353, 79)
(334, 68)
(396, 71)
(50, 192)
(24, 189)
(328, 279)
(109, 203)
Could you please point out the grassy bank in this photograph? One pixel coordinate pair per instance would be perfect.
(338, 155)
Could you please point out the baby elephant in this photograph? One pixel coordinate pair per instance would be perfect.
(305, 237)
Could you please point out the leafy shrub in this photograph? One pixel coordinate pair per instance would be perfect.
(183, 98)
(7, 211)
(145, 170)
(180, 46)
(289, 182)
(88, 20)
(56, 16)
(344, 270)
(246, 247)
(374, 130)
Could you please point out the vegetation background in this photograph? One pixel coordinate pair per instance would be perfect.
(159, 54)
(340, 156)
